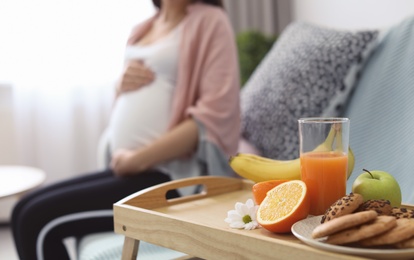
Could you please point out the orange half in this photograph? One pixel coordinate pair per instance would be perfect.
(283, 206)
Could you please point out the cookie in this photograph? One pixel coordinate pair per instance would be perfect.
(379, 225)
(345, 205)
(408, 243)
(402, 212)
(404, 230)
(343, 222)
(382, 207)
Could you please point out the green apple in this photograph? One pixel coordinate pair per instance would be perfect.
(378, 185)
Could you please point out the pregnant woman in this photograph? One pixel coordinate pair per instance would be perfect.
(176, 115)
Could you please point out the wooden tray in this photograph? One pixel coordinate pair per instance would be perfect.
(195, 224)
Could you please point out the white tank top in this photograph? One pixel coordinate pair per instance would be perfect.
(139, 117)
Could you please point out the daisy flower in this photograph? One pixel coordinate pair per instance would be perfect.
(243, 216)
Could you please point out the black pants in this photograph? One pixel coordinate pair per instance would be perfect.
(76, 207)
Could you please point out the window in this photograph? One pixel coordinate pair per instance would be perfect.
(69, 42)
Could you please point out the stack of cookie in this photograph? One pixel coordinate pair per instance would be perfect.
(373, 223)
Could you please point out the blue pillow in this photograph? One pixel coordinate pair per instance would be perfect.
(381, 110)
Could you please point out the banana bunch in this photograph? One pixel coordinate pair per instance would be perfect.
(258, 168)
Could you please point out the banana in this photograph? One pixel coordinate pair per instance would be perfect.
(258, 168)
(327, 144)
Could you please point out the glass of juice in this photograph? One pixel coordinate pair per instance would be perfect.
(324, 146)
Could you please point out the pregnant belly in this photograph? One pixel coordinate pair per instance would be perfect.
(139, 117)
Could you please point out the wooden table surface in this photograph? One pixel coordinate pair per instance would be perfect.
(15, 180)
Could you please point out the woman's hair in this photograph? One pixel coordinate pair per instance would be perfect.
(219, 3)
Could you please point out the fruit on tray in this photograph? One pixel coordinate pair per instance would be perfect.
(284, 205)
(258, 168)
(260, 189)
(374, 185)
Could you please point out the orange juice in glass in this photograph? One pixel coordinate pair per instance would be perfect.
(324, 159)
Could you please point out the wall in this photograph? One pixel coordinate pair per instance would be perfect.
(352, 14)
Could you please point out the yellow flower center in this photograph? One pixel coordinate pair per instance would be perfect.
(247, 219)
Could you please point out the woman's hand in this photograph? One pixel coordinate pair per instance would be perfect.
(176, 143)
(135, 76)
(126, 162)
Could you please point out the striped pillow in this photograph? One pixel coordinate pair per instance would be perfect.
(382, 110)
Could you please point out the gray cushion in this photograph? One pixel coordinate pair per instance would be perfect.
(382, 110)
(309, 71)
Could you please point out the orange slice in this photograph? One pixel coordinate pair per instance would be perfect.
(283, 206)
(260, 189)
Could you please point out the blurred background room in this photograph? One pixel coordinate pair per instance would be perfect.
(59, 60)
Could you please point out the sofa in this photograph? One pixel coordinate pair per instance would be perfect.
(367, 76)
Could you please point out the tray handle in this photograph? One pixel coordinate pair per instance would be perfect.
(155, 196)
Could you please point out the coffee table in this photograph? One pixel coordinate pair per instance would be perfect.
(195, 224)
(15, 180)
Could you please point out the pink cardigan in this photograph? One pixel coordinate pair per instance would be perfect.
(208, 75)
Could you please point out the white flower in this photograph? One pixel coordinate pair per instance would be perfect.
(244, 215)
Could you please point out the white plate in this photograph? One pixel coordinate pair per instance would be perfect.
(303, 231)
